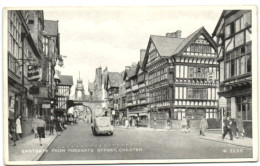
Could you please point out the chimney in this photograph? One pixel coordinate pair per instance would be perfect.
(133, 64)
(127, 67)
(176, 34)
(142, 54)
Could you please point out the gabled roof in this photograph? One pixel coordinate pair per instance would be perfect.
(223, 14)
(66, 80)
(187, 41)
(165, 45)
(113, 79)
(51, 27)
(170, 46)
(138, 67)
(130, 72)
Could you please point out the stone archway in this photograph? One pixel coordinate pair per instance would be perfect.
(95, 107)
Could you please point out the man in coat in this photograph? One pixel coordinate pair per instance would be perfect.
(203, 126)
(227, 128)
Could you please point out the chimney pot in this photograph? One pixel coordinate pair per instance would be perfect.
(176, 34)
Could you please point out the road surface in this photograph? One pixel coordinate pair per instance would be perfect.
(78, 143)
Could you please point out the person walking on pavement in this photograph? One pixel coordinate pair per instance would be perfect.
(227, 128)
(51, 124)
(34, 126)
(133, 122)
(58, 126)
(239, 126)
(184, 125)
(18, 127)
(41, 126)
(126, 123)
(168, 122)
(154, 123)
(203, 126)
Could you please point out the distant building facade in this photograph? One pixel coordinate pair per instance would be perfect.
(63, 94)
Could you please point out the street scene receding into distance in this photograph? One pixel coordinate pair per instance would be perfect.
(108, 83)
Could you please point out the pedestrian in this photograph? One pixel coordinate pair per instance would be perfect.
(41, 126)
(126, 123)
(168, 122)
(184, 125)
(154, 123)
(12, 132)
(203, 126)
(227, 128)
(34, 126)
(18, 127)
(239, 126)
(58, 127)
(51, 124)
(133, 122)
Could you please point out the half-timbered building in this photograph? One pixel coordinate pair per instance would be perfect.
(183, 79)
(233, 36)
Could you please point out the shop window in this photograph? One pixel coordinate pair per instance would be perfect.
(244, 107)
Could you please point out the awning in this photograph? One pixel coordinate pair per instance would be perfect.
(139, 111)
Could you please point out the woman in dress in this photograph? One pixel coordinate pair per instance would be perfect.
(34, 126)
(18, 127)
(41, 126)
(58, 126)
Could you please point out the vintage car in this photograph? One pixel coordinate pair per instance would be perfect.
(102, 125)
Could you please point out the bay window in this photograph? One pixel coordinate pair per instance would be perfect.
(197, 93)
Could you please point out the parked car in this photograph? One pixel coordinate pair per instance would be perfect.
(102, 125)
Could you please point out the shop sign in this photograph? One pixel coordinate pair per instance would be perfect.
(222, 102)
(34, 73)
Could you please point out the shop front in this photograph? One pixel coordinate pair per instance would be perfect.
(160, 115)
(194, 116)
(140, 114)
(239, 107)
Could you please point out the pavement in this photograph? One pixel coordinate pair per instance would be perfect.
(29, 149)
(78, 143)
(211, 134)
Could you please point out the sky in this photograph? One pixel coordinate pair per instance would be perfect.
(113, 36)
